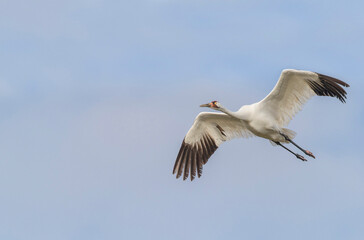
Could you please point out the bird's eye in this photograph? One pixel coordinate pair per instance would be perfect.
(214, 104)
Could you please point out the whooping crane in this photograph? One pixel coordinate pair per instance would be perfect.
(265, 119)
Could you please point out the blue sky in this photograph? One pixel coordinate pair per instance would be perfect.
(96, 97)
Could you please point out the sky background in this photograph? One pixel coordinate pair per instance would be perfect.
(96, 97)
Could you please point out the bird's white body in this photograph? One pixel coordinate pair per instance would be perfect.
(265, 119)
(261, 123)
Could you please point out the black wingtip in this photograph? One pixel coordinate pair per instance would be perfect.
(191, 158)
(329, 86)
(322, 76)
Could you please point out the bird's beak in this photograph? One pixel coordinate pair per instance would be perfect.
(205, 105)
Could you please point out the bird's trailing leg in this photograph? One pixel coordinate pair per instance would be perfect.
(296, 154)
(303, 150)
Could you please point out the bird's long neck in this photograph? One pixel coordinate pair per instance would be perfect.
(238, 115)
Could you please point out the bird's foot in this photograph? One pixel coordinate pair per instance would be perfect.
(301, 157)
(309, 153)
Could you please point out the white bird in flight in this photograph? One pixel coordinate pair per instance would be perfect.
(265, 119)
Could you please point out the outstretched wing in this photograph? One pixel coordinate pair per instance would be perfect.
(206, 134)
(292, 91)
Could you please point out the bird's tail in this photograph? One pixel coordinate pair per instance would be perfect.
(289, 133)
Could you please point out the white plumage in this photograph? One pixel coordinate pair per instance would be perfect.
(265, 119)
(207, 122)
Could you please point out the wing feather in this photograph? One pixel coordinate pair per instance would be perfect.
(293, 89)
(208, 131)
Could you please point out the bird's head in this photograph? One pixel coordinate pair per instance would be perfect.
(213, 105)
